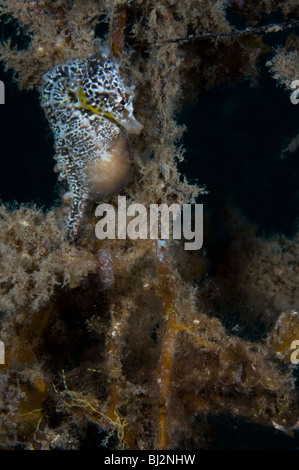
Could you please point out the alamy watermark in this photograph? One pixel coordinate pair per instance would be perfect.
(295, 354)
(295, 95)
(151, 223)
(2, 93)
(2, 352)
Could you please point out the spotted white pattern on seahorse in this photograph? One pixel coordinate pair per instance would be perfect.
(88, 107)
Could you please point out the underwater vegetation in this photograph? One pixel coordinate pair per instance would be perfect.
(135, 344)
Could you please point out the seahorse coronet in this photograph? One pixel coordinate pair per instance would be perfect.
(90, 111)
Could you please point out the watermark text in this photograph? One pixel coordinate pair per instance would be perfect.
(295, 95)
(295, 354)
(138, 222)
(2, 352)
(2, 93)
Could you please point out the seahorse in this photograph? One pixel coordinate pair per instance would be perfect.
(90, 111)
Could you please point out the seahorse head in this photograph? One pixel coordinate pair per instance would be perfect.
(104, 92)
